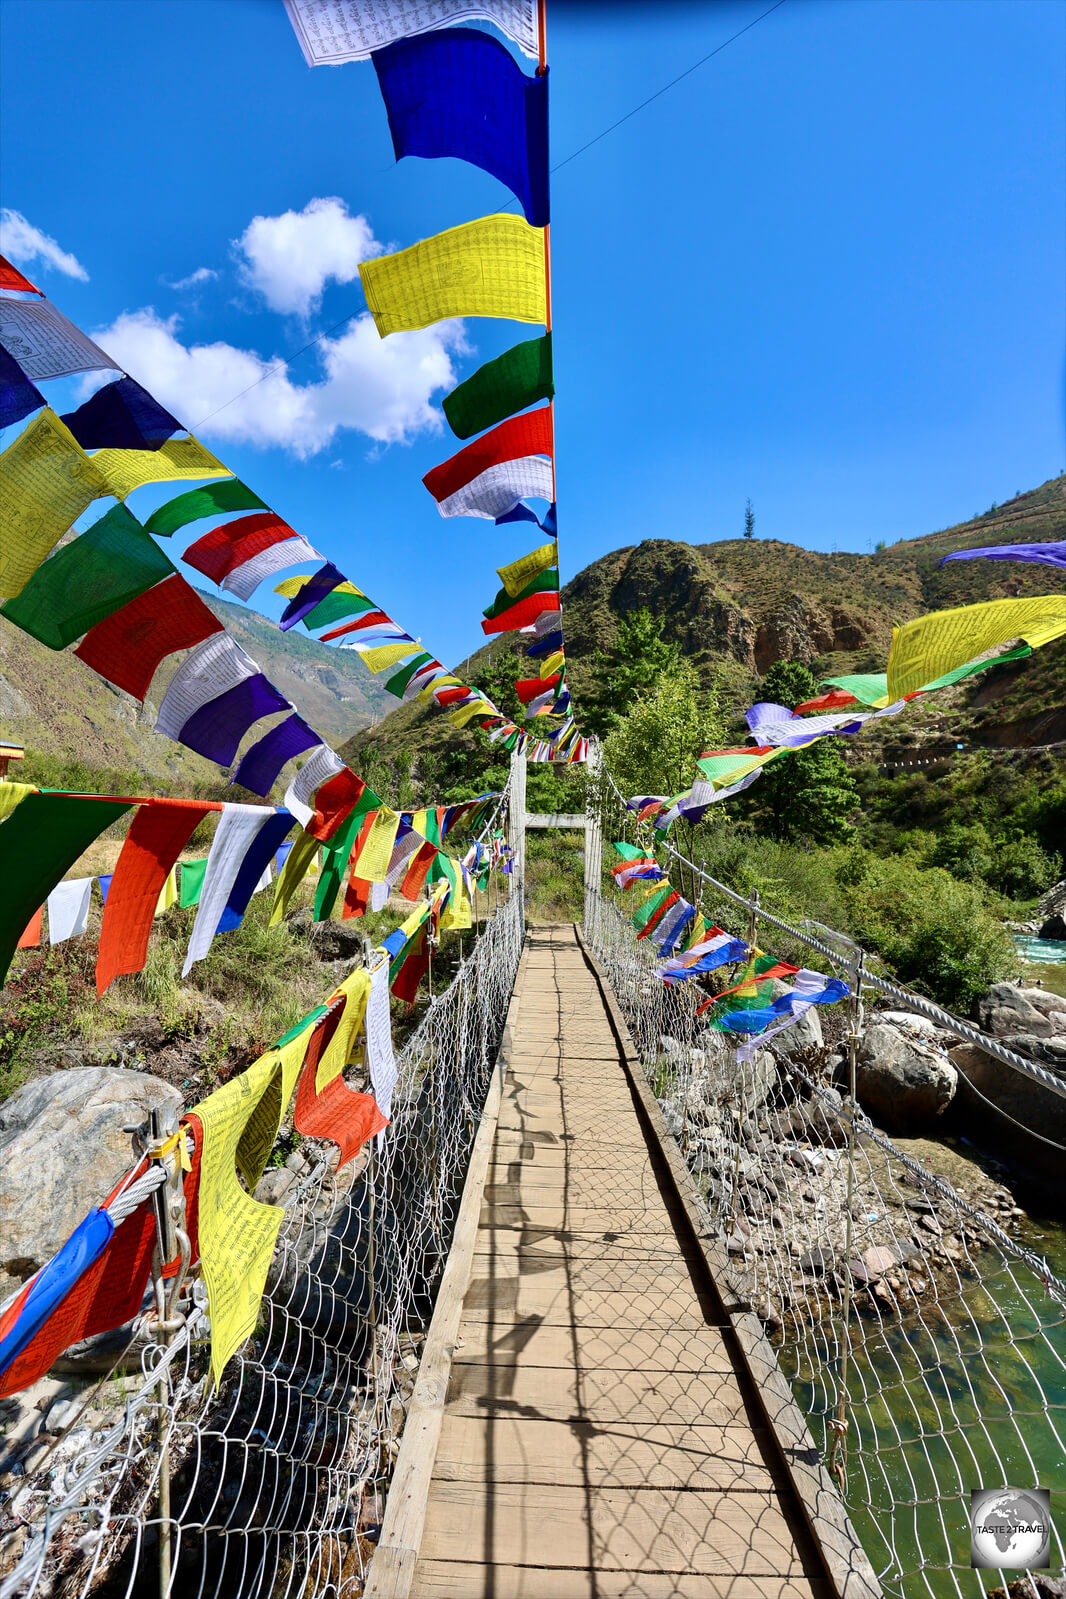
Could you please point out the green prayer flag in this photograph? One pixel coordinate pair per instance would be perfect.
(543, 583)
(335, 855)
(228, 495)
(628, 852)
(337, 607)
(433, 825)
(39, 843)
(519, 377)
(397, 684)
(95, 574)
(190, 882)
(651, 905)
(971, 667)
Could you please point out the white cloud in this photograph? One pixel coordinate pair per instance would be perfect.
(289, 259)
(382, 388)
(22, 243)
(193, 281)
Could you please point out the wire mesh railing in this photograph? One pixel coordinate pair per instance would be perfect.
(925, 1344)
(275, 1484)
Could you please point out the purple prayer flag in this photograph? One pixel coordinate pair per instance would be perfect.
(254, 864)
(260, 766)
(1051, 554)
(216, 729)
(315, 589)
(121, 416)
(18, 396)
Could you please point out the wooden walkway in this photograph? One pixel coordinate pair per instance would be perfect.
(601, 1435)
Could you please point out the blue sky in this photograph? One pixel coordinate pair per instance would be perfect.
(825, 271)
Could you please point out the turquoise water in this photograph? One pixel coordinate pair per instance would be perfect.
(1042, 951)
(970, 1394)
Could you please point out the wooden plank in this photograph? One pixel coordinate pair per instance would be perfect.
(559, 1393)
(435, 1579)
(505, 1300)
(536, 1343)
(405, 1507)
(635, 1529)
(846, 1562)
(518, 1449)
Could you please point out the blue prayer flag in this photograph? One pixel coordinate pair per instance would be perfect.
(18, 396)
(121, 416)
(461, 93)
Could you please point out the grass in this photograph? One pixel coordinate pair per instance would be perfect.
(555, 876)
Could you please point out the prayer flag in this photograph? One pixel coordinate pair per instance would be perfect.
(128, 646)
(159, 832)
(68, 909)
(931, 645)
(88, 579)
(18, 396)
(517, 379)
(313, 591)
(386, 655)
(12, 278)
(492, 267)
(44, 343)
(1053, 553)
(46, 481)
(515, 576)
(41, 840)
(319, 767)
(298, 862)
(334, 31)
(234, 836)
(491, 474)
(30, 937)
(213, 499)
(126, 470)
(335, 802)
(219, 552)
(325, 1106)
(122, 416)
(343, 600)
(462, 93)
(212, 667)
(523, 613)
(260, 766)
(216, 729)
(256, 864)
(191, 882)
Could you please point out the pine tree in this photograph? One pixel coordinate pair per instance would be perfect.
(749, 521)
(809, 793)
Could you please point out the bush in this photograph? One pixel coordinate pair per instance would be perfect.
(1021, 869)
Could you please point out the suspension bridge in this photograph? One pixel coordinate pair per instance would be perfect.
(583, 1321)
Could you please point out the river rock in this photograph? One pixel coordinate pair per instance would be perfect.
(806, 1033)
(62, 1150)
(1046, 1051)
(817, 1262)
(1055, 927)
(338, 941)
(1007, 1009)
(902, 1081)
(908, 1019)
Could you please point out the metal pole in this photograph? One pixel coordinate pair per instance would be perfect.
(838, 1449)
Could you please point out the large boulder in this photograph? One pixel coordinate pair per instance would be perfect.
(62, 1150)
(1050, 1052)
(1054, 927)
(806, 1033)
(903, 1082)
(1007, 1009)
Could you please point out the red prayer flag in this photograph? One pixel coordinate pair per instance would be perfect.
(234, 543)
(338, 1112)
(418, 871)
(335, 801)
(31, 933)
(529, 434)
(415, 963)
(523, 613)
(12, 278)
(356, 899)
(105, 1296)
(660, 911)
(127, 646)
(368, 619)
(160, 831)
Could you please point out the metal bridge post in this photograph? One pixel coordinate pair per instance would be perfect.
(517, 822)
(838, 1449)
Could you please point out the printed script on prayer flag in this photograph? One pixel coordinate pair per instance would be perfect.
(334, 31)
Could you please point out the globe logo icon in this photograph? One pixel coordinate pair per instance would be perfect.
(1010, 1528)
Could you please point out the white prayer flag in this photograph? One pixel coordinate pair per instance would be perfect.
(244, 580)
(320, 766)
(499, 488)
(45, 344)
(379, 1056)
(332, 32)
(236, 833)
(209, 669)
(68, 909)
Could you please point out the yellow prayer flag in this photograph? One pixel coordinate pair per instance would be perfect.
(264, 1121)
(491, 267)
(298, 863)
(466, 713)
(335, 1057)
(46, 481)
(419, 820)
(126, 470)
(926, 648)
(455, 917)
(291, 586)
(447, 681)
(387, 655)
(372, 862)
(237, 1233)
(515, 577)
(729, 778)
(168, 894)
(551, 665)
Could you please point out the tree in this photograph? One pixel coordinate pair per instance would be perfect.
(634, 664)
(808, 793)
(749, 521)
(653, 749)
